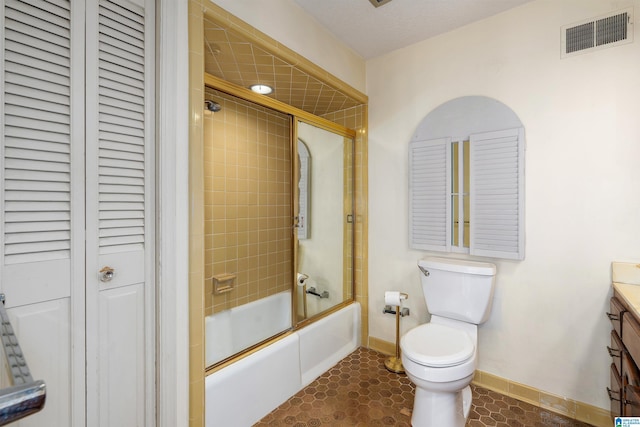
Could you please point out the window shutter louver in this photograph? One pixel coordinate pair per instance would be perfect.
(497, 194)
(429, 194)
(121, 127)
(37, 135)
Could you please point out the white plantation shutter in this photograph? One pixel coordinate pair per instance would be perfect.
(430, 194)
(121, 137)
(497, 194)
(36, 179)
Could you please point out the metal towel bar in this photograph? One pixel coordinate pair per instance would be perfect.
(25, 396)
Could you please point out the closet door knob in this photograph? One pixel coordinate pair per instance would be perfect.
(106, 274)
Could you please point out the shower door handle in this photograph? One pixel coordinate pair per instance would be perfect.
(298, 221)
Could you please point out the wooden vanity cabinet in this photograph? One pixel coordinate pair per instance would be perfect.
(624, 350)
(615, 392)
(632, 401)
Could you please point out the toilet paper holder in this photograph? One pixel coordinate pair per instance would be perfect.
(389, 309)
(394, 363)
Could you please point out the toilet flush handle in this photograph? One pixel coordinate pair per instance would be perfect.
(424, 270)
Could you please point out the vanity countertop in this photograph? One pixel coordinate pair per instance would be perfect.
(626, 282)
(631, 296)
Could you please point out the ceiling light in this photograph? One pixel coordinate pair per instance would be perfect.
(261, 89)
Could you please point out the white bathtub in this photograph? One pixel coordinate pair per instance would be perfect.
(247, 390)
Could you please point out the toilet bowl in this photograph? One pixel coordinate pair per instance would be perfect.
(440, 357)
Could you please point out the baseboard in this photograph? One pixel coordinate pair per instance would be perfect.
(569, 408)
(382, 346)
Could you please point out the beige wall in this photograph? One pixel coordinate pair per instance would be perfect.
(548, 327)
(247, 185)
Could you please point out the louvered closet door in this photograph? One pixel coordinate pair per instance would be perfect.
(42, 257)
(120, 346)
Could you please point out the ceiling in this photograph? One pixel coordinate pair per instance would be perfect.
(372, 31)
(232, 57)
(369, 31)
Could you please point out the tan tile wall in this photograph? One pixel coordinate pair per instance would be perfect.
(247, 187)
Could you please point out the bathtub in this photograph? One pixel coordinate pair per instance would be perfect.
(244, 392)
(241, 327)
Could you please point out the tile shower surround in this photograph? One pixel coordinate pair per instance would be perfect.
(247, 188)
(359, 391)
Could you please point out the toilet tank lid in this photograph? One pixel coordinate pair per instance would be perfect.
(458, 265)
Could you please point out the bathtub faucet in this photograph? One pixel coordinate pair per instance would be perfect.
(312, 291)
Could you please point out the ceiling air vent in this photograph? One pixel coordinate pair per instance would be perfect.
(597, 33)
(378, 3)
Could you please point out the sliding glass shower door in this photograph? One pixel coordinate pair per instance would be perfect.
(278, 218)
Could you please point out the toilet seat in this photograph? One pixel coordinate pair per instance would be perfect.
(437, 345)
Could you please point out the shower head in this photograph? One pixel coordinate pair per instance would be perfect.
(212, 106)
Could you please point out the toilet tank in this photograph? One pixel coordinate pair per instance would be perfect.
(458, 289)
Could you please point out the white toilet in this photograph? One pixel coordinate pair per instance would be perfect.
(440, 357)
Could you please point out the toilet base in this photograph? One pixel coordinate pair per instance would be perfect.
(437, 409)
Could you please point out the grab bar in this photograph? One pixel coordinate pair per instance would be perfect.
(26, 396)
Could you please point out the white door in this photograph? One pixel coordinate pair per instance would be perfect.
(42, 250)
(119, 213)
(77, 163)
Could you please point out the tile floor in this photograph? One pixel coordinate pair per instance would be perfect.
(359, 391)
